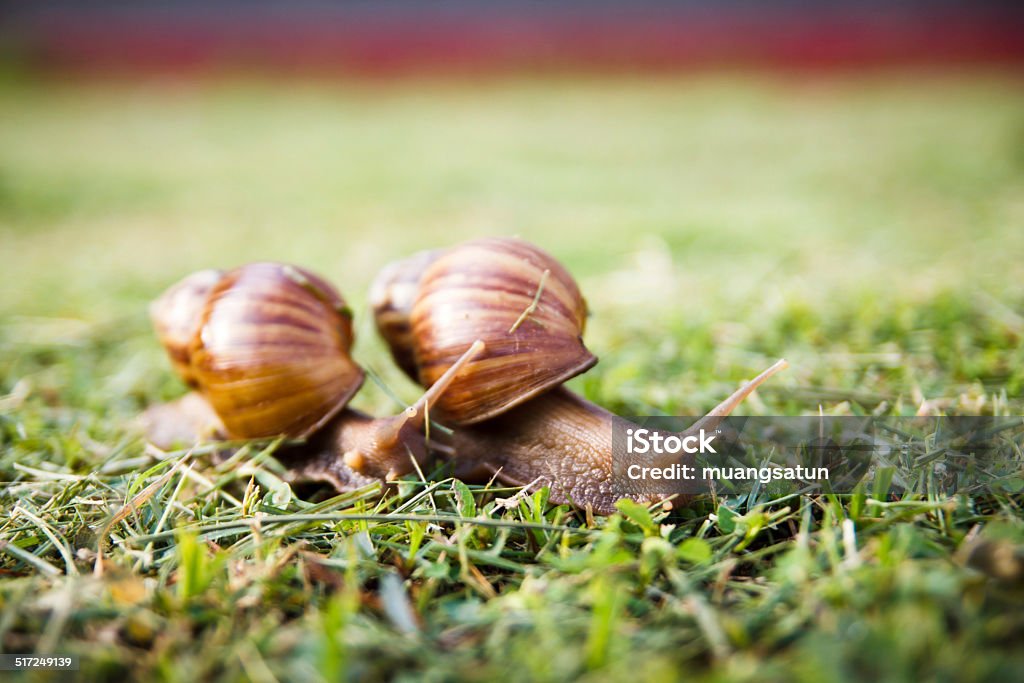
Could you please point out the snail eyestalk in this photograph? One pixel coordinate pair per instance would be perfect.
(723, 409)
(390, 445)
(431, 395)
(415, 415)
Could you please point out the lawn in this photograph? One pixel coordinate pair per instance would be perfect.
(868, 228)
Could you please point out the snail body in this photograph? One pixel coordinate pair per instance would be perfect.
(527, 429)
(563, 441)
(324, 457)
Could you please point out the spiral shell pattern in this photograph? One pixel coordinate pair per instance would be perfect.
(271, 353)
(392, 295)
(176, 314)
(516, 298)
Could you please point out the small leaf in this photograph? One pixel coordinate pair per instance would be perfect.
(437, 570)
(279, 491)
(1011, 484)
(464, 498)
(694, 550)
(638, 514)
(726, 519)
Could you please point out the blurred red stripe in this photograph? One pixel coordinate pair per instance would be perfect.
(393, 45)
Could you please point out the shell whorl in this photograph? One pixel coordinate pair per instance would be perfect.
(175, 315)
(270, 351)
(392, 295)
(516, 298)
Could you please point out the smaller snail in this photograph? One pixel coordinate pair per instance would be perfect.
(266, 346)
(514, 417)
(269, 349)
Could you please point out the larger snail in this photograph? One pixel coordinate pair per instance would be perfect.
(512, 413)
(267, 348)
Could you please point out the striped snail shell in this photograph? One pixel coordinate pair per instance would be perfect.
(391, 297)
(176, 315)
(269, 350)
(520, 302)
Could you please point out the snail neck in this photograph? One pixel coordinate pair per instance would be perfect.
(395, 441)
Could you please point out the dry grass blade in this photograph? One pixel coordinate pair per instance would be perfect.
(59, 542)
(528, 311)
(131, 506)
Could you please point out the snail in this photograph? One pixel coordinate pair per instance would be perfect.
(266, 348)
(513, 417)
(266, 344)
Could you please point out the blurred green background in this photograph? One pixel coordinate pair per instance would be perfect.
(868, 227)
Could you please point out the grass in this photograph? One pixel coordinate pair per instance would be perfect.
(868, 228)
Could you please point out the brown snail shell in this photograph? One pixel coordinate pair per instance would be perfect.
(270, 351)
(525, 307)
(392, 295)
(175, 315)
